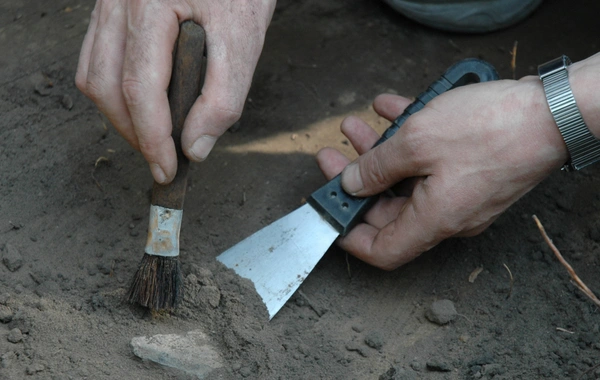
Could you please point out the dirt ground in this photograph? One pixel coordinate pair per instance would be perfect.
(72, 232)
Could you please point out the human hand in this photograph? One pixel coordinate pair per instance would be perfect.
(466, 157)
(125, 67)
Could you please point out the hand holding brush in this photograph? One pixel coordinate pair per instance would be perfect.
(157, 283)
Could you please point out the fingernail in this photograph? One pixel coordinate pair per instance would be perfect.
(158, 173)
(351, 180)
(202, 147)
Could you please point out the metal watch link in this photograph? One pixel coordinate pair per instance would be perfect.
(583, 147)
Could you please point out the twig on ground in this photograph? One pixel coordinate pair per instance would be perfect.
(348, 266)
(512, 281)
(474, 274)
(98, 161)
(588, 371)
(513, 62)
(564, 330)
(580, 284)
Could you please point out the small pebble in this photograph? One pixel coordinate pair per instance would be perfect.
(11, 258)
(417, 366)
(6, 314)
(67, 102)
(374, 340)
(438, 366)
(14, 336)
(35, 368)
(441, 312)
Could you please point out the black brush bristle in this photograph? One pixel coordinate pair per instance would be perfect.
(157, 284)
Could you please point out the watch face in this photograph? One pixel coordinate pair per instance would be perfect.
(553, 66)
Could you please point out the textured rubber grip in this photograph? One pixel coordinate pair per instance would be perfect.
(342, 210)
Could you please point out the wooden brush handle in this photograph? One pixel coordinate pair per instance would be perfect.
(184, 89)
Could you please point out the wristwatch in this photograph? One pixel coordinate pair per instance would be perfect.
(583, 146)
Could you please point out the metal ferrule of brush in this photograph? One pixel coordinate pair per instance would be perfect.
(342, 210)
(163, 231)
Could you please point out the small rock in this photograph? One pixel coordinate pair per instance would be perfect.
(353, 347)
(481, 360)
(441, 312)
(14, 336)
(6, 314)
(11, 258)
(438, 366)
(33, 369)
(374, 340)
(191, 353)
(245, 371)
(67, 102)
(417, 366)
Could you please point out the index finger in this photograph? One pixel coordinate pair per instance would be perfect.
(146, 72)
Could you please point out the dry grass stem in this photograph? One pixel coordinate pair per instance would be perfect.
(564, 330)
(512, 281)
(513, 62)
(580, 284)
(474, 274)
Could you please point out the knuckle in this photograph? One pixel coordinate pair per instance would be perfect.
(227, 111)
(133, 91)
(415, 142)
(147, 146)
(420, 137)
(375, 173)
(93, 88)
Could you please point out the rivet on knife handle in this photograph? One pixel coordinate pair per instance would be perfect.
(342, 210)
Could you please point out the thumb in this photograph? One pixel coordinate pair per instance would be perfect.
(376, 171)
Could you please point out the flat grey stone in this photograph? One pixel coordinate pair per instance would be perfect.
(11, 258)
(441, 312)
(191, 353)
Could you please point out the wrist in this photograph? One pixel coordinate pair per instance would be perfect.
(584, 77)
(556, 76)
(544, 134)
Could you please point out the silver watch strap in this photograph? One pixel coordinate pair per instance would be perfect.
(582, 145)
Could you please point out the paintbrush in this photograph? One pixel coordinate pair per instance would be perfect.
(157, 284)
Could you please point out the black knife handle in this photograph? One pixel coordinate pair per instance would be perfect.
(342, 210)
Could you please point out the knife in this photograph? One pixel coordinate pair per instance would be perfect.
(279, 257)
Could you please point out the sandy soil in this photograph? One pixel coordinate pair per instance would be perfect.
(72, 232)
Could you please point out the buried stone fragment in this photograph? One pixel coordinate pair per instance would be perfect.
(191, 353)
